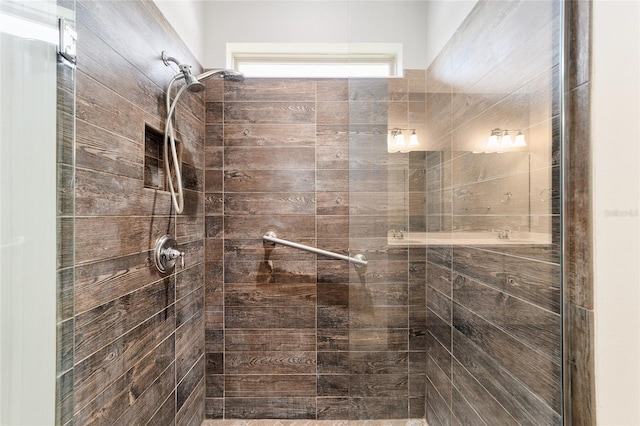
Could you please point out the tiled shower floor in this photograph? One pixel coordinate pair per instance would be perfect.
(402, 422)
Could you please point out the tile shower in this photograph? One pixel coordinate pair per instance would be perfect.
(454, 334)
(286, 337)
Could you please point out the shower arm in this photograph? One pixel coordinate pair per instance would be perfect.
(185, 69)
(166, 59)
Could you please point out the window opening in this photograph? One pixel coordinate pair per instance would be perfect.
(321, 60)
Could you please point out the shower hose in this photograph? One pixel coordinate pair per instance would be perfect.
(170, 140)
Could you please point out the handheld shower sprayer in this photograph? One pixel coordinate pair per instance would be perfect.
(193, 84)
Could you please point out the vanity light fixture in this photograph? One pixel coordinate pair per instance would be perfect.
(500, 140)
(520, 142)
(397, 143)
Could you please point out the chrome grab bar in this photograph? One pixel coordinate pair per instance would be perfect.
(359, 260)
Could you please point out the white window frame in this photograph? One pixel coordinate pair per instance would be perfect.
(316, 60)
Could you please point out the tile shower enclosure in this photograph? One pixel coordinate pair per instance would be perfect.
(450, 333)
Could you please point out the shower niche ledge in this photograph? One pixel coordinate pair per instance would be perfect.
(488, 238)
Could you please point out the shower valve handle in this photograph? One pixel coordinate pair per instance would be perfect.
(167, 253)
(173, 254)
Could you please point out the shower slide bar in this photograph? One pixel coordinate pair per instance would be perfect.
(359, 260)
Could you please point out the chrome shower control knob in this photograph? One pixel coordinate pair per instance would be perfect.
(173, 254)
(166, 254)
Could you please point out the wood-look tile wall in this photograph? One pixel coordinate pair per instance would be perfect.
(384, 328)
(290, 334)
(578, 224)
(493, 312)
(136, 336)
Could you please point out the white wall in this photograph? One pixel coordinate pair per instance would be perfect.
(409, 22)
(187, 18)
(314, 22)
(422, 26)
(616, 159)
(442, 19)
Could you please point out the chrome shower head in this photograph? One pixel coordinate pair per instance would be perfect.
(190, 80)
(193, 85)
(232, 75)
(227, 74)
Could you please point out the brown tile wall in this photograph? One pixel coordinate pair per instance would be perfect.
(136, 336)
(493, 312)
(578, 291)
(290, 334)
(385, 330)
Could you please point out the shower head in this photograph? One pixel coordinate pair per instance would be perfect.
(227, 74)
(193, 85)
(192, 82)
(232, 75)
